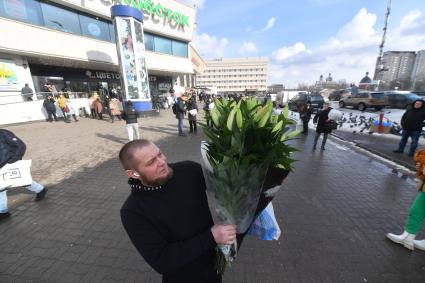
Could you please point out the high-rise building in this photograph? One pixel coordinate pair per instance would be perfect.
(418, 73)
(235, 75)
(396, 68)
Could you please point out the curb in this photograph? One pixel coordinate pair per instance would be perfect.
(383, 155)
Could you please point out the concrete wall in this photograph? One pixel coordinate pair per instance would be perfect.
(33, 111)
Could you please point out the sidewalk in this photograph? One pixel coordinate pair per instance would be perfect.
(334, 211)
(381, 145)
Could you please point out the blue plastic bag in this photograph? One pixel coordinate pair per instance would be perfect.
(265, 226)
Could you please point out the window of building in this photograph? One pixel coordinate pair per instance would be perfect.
(149, 42)
(179, 49)
(94, 28)
(60, 19)
(112, 32)
(162, 45)
(22, 10)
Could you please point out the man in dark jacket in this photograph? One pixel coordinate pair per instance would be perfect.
(167, 217)
(412, 122)
(305, 116)
(130, 116)
(27, 93)
(322, 120)
(180, 115)
(12, 149)
(49, 105)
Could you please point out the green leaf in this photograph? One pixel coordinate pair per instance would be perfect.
(230, 119)
(294, 134)
(286, 112)
(239, 119)
(277, 127)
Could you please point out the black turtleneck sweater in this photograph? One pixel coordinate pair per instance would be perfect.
(170, 225)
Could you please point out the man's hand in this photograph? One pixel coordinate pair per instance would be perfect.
(224, 234)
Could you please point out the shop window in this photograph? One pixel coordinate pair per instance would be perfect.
(179, 49)
(22, 10)
(149, 42)
(162, 45)
(112, 32)
(60, 19)
(94, 28)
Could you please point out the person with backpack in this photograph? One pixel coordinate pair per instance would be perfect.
(12, 149)
(130, 116)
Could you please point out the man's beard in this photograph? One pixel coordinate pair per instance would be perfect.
(164, 180)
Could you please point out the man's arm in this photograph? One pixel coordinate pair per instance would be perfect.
(162, 256)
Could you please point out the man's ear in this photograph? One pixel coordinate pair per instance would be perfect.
(132, 174)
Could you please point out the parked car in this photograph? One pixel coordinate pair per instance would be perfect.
(363, 100)
(315, 100)
(336, 95)
(402, 100)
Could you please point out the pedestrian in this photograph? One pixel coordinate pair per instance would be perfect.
(98, 107)
(417, 210)
(27, 93)
(12, 149)
(180, 112)
(412, 122)
(106, 102)
(130, 116)
(208, 106)
(114, 107)
(49, 105)
(167, 217)
(62, 103)
(305, 116)
(92, 107)
(323, 121)
(192, 109)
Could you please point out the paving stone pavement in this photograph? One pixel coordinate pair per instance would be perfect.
(334, 211)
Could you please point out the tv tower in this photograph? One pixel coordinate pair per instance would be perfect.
(379, 64)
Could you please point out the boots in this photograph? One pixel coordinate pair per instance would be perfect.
(405, 239)
(419, 244)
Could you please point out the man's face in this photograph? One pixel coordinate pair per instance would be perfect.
(418, 104)
(151, 165)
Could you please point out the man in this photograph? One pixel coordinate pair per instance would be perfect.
(305, 116)
(130, 116)
(166, 215)
(27, 93)
(13, 149)
(412, 123)
(49, 105)
(180, 112)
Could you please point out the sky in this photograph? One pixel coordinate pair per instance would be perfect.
(306, 38)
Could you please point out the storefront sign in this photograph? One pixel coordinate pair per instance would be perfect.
(157, 9)
(8, 78)
(103, 75)
(164, 86)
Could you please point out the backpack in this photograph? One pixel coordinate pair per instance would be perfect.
(174, 108)
(12, 148)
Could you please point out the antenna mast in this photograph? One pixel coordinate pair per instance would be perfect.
(379, 64)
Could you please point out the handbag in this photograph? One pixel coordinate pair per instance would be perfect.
(66, 109)
(331, 125)
(193, 112)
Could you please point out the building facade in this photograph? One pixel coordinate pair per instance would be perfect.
(396, 71)
(418, 73)
(235, 75)
(71, 43)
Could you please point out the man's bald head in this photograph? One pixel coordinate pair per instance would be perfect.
(128, 153)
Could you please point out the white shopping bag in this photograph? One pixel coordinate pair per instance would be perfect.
(265, 226)
(16, 174)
